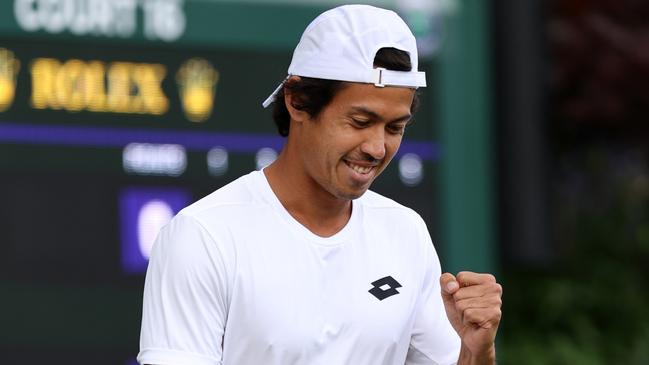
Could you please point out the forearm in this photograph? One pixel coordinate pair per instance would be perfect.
(486, 358)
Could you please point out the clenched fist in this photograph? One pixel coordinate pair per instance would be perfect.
(472, 303)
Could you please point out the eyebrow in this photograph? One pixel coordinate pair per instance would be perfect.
(374, 115)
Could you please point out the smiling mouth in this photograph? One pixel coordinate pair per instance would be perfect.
(363, 170)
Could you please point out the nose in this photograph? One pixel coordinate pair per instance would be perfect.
(374, 143)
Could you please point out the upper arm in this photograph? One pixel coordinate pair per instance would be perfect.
(185, 297)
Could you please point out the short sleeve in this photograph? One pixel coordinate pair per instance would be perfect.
(185, 297)
(433, 341)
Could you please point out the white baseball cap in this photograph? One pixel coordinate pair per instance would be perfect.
(341, 43)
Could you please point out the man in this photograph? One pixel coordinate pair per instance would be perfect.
(299, 263)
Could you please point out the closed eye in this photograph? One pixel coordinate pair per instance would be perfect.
(361, 123)
(396, 128)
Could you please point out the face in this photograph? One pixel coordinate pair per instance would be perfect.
(353, 138)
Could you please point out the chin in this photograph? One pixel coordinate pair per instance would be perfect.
(351, 195)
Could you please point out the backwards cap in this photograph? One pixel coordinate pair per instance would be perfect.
(341, 43)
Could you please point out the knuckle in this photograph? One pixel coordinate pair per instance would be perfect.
(497, 315)
(474, 315)
(468, 316)
(499, 289)
(499, 302)
(493, 301)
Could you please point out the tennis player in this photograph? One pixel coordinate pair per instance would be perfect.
(300, 263)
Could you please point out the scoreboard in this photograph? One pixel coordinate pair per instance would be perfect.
(113, 117)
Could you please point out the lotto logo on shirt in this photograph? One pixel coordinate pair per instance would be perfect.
(385, 287)
(144, 211)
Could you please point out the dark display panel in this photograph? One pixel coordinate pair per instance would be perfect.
(99, 146)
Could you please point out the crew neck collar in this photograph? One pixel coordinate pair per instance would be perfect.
(269, 196)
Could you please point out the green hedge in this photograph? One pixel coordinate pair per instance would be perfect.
(591, 305)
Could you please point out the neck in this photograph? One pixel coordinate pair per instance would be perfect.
(305, 200)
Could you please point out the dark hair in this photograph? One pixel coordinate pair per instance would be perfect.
(312, 95)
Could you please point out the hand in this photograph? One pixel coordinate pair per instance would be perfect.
(472, 303)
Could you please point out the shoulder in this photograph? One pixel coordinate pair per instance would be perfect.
(235, 193)
(226, 210)
(226, 203)
(206, 225)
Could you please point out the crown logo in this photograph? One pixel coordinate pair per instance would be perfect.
(197, 80)
(9, 67)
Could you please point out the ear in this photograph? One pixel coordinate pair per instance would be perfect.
(290, 101)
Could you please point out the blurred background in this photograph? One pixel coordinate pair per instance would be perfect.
(529, 158)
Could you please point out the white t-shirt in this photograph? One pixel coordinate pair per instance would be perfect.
(234, 279)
